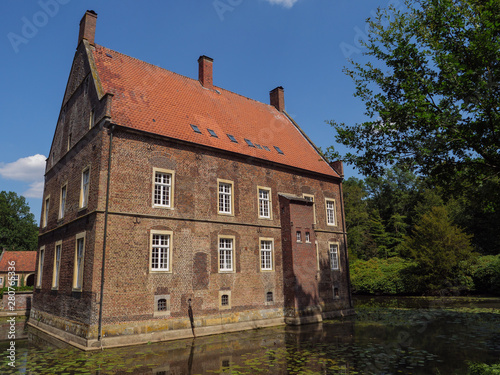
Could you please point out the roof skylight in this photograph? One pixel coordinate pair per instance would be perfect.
(232, 138)
(196, 129)
(212, 133)
(258, 146)
(279, 150)
(266, 148)
(249, 142)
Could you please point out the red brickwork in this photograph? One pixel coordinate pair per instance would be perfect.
(300, 280)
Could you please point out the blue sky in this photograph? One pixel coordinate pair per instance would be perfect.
(256, 45)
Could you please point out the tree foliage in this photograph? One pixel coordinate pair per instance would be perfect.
(431, 91)
(440, 249)
(18, 230)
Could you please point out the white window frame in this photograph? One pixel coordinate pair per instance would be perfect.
(1, 281)
(62, 200)
(308, 237)
(57, 266)
(79, 262)
(46, 208)
(224, 252)
(15, 279)
(169, 187)
(164, 250)
(333, 256)
(41, 259)
(266, 255)
(331, 213)
(298, 234)
(263, 202)
(84, 188)
(310, 197)
(317, 255)
(226, 198)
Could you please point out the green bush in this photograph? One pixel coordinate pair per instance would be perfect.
(486, 274)
(17, 289)
(380, 276)
(483, 369)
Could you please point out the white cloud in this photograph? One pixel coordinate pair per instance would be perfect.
(284, 3)
(35, 190)
(29, 169)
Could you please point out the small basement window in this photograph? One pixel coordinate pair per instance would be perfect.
(195, 129)
(212, 133)
(232, 138)
(162, 304)
(249, 142)
(279, 150)
(269, 297)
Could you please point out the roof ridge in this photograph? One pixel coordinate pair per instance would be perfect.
(183, 76)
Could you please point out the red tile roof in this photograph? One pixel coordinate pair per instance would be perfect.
(25, 261)
(155, 100)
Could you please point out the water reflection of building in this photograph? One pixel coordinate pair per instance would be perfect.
(210, 212)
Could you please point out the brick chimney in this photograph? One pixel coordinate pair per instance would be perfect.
(338, 166)
(277, 97)
(205, 71)
(87, 27)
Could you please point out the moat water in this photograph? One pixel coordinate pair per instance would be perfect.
(387, 336)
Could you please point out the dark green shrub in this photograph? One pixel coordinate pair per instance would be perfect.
(486, 274)
(380, 276)
(17, 289)
(483, 369)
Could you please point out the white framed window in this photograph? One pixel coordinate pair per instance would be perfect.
(224, 299)
(330, 212)
(62, 201)
(92, 119)
(163, 188)
(57, 265)
(41, 258)
(299, 236)
(266, 254)
(317, 255)
(84, 190)
(46, 207)
(226, 253)
(265, 206)
(78, 262)
(308, 237)
(14, 280)
(334, 255)
(310, 198)
(225, 196)
(1, 281)
(161, 251)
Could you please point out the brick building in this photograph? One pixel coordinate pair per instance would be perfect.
(22, 263)
(173, 207)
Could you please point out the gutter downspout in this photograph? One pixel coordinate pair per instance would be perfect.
(345, 245)
(110, 132)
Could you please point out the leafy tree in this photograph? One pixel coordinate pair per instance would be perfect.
(431, 91)
(441, 250)
(18, 230)
(359, 241)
